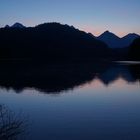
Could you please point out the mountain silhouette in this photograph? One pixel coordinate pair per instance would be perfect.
(49, 41)
(15, 25)
(128, 39)
(114, 41)
(7, 26)
(55, 41)
(110, 39)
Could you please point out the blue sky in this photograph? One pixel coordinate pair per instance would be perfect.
(95, 16)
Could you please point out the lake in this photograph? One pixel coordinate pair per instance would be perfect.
(74, 101)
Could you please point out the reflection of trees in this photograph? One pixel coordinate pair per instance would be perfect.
(11, 126)
(135, 70)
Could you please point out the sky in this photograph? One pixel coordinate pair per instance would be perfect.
(96, 16)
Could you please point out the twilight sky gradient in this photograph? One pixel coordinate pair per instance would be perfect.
(96, 16)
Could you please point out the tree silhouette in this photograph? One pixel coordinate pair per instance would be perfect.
(10, 124)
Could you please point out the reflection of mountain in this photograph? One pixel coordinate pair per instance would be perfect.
(49, 78)
(59, 77)
(115, 72)
(135, 71)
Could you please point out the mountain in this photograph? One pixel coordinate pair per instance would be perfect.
(114, 41)
(128, 39)
(50, 41)
(110, 39)
(17, 25)
(7, 26)
(134, 51)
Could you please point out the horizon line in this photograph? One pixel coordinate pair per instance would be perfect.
(80, 28)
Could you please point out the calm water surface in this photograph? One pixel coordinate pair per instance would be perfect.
(106, 107)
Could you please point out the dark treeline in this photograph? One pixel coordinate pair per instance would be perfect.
(134, 50)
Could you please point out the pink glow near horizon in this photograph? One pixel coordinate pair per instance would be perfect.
(97, 31)
(116, 84)
(87, 28)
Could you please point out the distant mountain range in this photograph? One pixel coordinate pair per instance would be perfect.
(49, 41)
(57, 41)
(114, 41)
(16, 25)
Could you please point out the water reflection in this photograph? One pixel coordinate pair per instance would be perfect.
(55, 78)
(104, 102)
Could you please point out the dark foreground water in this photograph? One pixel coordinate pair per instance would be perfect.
(99, 102)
